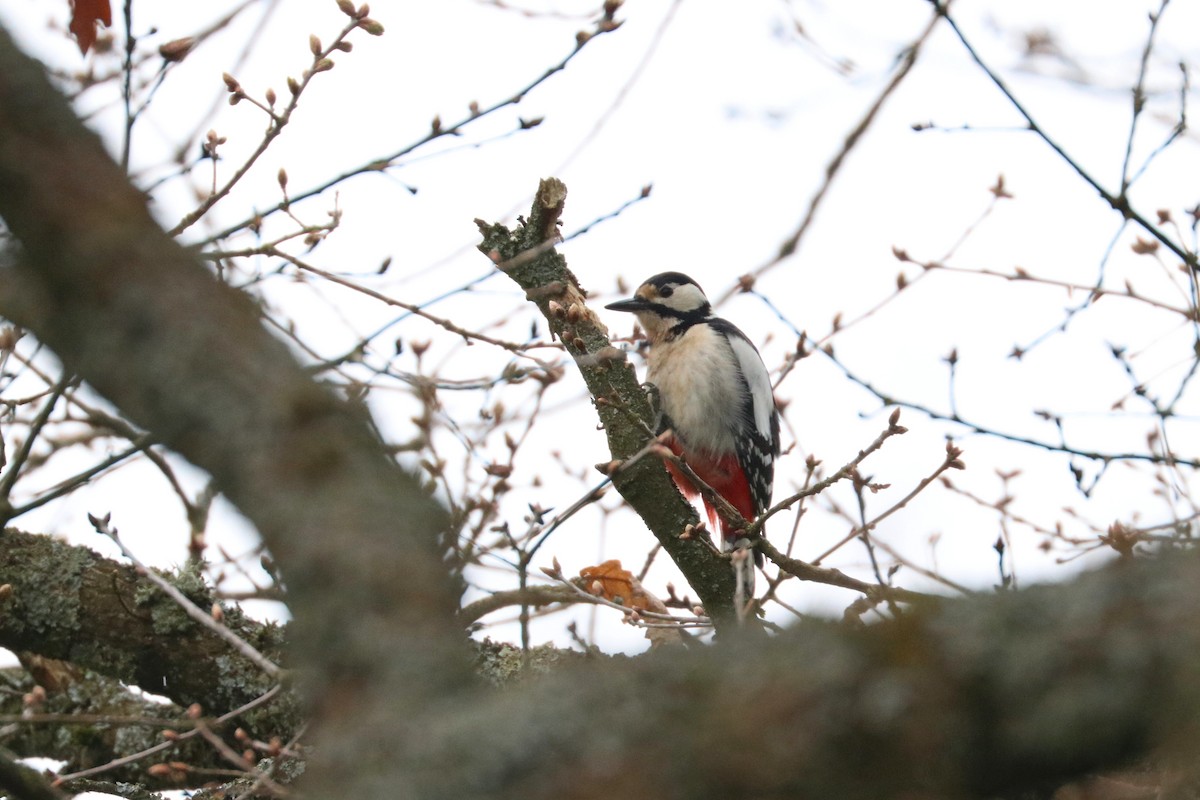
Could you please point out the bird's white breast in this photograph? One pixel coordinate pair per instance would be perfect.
(699, 388)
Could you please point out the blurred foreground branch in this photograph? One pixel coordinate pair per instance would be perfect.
(188, 359)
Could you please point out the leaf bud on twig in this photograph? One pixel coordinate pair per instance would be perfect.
(371, 26)
(176, 50)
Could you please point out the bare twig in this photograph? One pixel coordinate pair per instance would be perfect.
(894, 428)
(855, 135)
(975, 427)
(278, 122)
(132, 758)
(1119, 202)
(806, 571)
(951, 461)
(633, 615)
(384, 162)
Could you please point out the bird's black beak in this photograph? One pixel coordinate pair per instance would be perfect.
(632, 304)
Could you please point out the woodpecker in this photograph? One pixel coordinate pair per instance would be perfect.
(714, 394)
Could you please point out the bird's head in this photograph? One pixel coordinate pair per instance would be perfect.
(664, 301)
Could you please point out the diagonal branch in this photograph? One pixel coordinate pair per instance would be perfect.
(1118, 202)
(527, 255)
(907, 61)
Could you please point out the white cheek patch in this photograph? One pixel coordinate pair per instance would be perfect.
(687, 297)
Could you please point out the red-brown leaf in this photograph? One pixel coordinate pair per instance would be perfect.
(611, 582)
(84, 16)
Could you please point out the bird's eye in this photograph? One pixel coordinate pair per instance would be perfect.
(666, 291)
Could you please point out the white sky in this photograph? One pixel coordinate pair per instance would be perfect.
(733, 123)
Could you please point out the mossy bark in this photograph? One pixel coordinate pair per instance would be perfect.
(68, 603)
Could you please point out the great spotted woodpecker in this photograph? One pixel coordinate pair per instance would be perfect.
(714, 394)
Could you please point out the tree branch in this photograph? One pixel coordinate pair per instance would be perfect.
(527, 255)
(534, 596)
(832, 577)
(965, 698)
(68, 603)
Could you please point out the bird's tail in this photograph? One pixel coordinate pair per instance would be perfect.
(744, 568)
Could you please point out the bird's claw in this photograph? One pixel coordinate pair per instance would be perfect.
(654, 397)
